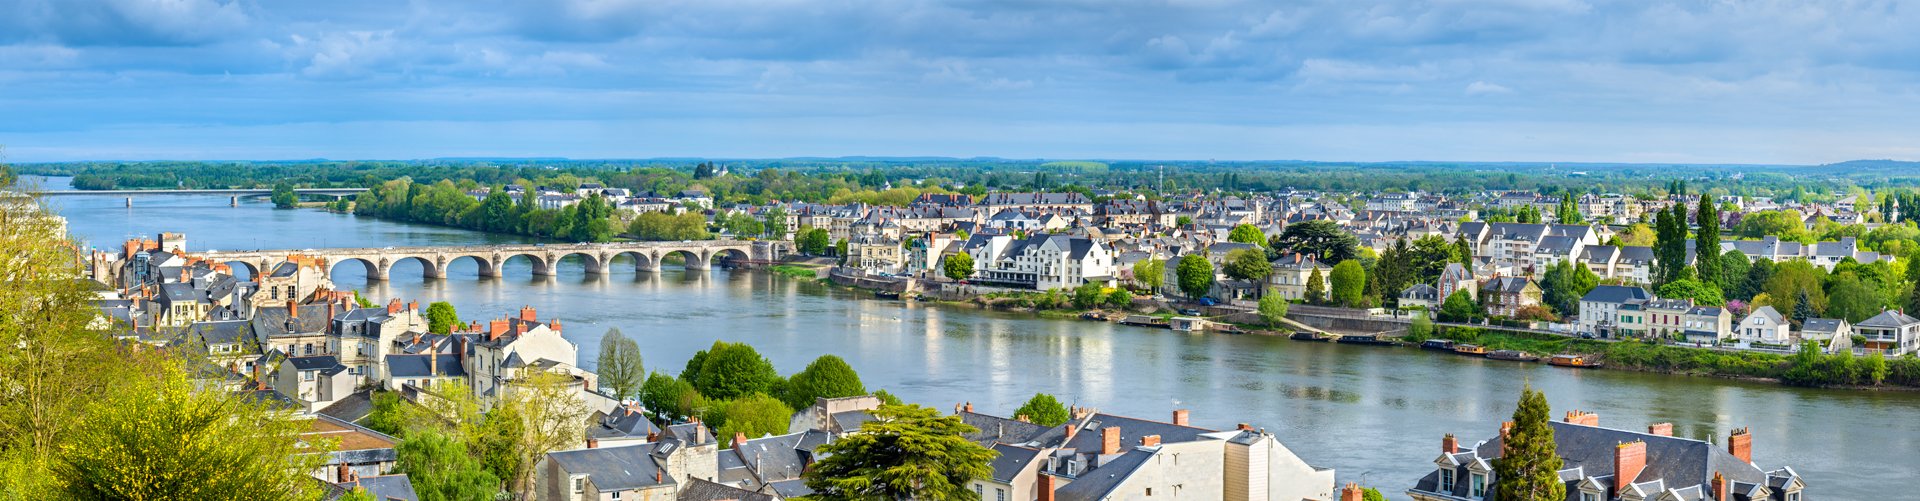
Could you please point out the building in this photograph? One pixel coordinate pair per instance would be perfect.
(1113, 457)
(1456, 278)
(1601, 309)
(1040, 261)
(1765, 326)
(1604, 464)
(1666, 317)
(1892, 333)
(1290, 274)
(1506, 296)
(1420, 296)
(1705, 324)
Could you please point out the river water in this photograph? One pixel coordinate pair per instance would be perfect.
(1375, 414)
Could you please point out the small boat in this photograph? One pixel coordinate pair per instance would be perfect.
(1144, 321)
(1470, 349)
(886, 294)
(1438, 345)
(1310, 336)
(1094, 315)
(1575, 361)
(1513, 355)
(1365, 339)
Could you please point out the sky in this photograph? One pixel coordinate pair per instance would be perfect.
(1655, 81)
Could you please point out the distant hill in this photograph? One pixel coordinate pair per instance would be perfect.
(1875, 164)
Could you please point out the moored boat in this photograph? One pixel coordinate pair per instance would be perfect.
(1366, 339)
(1513, 355)
(1310, 336)
(1572, 360)
(1438, 344)
(1144, 321)
(1470, 349)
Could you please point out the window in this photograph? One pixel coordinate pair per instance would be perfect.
(616, 495)
(580, 485)
(1000, 494)
(1588, 496)
(1446, 480)
(1479, 485)
(1793, 496)
(979, 490)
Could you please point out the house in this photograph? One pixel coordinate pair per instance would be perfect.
(1040, 261)
(1420, 296)
(317, 380)
(1506, 296)
(1705, 324)
(1455, 278)
(1666, 317)
(1290, 274)
(1600, 308)
(836, 416)
(1835, 334)
(1892, 333)
(771, 464)
(1114, 457)
(633, 472)
(703, 490)
(1605, 464)
(354, 451)
(1765, 326)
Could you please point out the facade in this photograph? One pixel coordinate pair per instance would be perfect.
(1506, 296)
(1040, 261)
(1290, 275)
(1605, 309)
(1765, 326)
(1892, 333)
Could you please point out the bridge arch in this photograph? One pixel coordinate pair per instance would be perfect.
(642, 261)
(374, 270)
(428, 268)
(593, 263)
(252, 270)
(540, 264)
(693, 259)
(730, 256)
(484, 266)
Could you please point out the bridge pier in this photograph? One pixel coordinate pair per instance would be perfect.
(234, 202)
(377, 272)
(701, 262)
(647, 263)
(543, 268)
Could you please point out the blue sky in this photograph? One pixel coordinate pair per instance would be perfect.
(1734, 81)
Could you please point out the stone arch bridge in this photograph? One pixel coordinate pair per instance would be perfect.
(647, 256)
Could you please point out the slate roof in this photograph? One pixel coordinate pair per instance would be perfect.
(1767, 312)
(702, 490)
(402, 366)
(1823, 325)
(1588, 451)
(621, 468)
(1131, 429)
(1012, 460)
(272, 321)
(1889, 319)
(623, 423)
(394, 487)
(314, 362)
(1099, 482)
(791, 489)
(221, 332)
(995, 429)
(1616, 294)
(774, 458)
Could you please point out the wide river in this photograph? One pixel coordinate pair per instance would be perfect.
(1374, 414)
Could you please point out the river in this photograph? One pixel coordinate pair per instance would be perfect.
(1375, 414)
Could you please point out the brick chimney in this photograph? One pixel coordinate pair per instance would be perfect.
(1244, 427)
(1045, 487)
(1449, 445)
(496, 328)
(1150, 441)
(1740, 444)
(1180, 417)
(554, 325)
(293, 309)
(1628, 460)
(1719, 487)
(413, 306)
(1110, 440)
(1506, 428)
(527, 314)
(433, 363)
(393, 307)
(593, 443)
(330, 312)
(1022, 418)
(1352, 492)
(1661, 429)
(739, 440)
(968, 407)
(1582, 418)
(343, 473)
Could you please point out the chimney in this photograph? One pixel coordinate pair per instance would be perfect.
(416, 338)
(330, 311)
(343, 473)
(496, 328)
(1628, 460)
(1661, 429)
(1244, 427)
(593, 443)
(527, 314)
(1180, 417)
(1506, 428)
(1740, 444)
(1582, 418)
(1719, 487)
(739, 440)
(1150, 441)
(433, 363)
(293, 309)
(1352, 492)
(1022, 418)
(413, 306)
(554, 325)
(1110, 440)
(1072, 428)
(969, 407)
(1449, 445)
(393, 307)
(656, 476)
(1045, 487)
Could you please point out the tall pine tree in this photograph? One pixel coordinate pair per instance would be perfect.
(1706, 240)
(1528, 467)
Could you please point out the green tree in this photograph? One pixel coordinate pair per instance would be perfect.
(1795, 288)
(1322, 239)
(550, 413)
(1707, 241)
(1043, 410)
(756, 415)
(906, 452)
(1248, 264)
(1459, 307)
(1316, 287)
(1195, 274)
(389, 414)
(1421, 328)
(284, 197)
(957, 266)
(1734, 266)
(1273, 308)
(667, 396)
(1349, 284)
(497, 442)
(620, 366)
(814, 241)
(1150, 272)
(734, 370)
(441, 317)
(1119, 299)
(827, 377)
(1247, 234)
(886, 398)
(1699, 292)
(441, 469)
(1852, 299)
(1088, 295)
(1528, 466)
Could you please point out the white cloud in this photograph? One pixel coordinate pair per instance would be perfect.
(1479, 88)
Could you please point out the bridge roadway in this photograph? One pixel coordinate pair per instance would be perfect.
(233, 191)
(699, 255)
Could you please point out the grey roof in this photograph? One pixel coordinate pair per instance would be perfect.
(314, 363)
(1616, 294)
(850, 420)
(1673, 462)
(390, 487)
(221, 332)
(1769, 313)
(1506, 284)
(992, 429)
(790, 489)
(615, 468)
(351, 409)
(702, 490)
(1012, 460)
(400, 366)
(1131, 430)
(273, 321)
(1420, 291)
(623, 423)
(1099, 482)
(1826, 325)
(1889, 319)
(774, 458)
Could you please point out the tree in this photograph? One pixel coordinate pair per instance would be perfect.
(1316, 287)
(1459, 307)
(1460, 248)
(1528, 467)
(827, 377)
(550, 414)
(1701, 293)
(1421, 328)
(957, 266)
(1568, 212)
(441, 317)
(734, 370)
(667, 396)
(1119, 299)
(619, 366)
(497, 443)
(1322, 239)
(1428, 257)
(1088, 295)
(1043, 410)
(1852, 299)
(906, 452)
(1755, 283)
(441, 469)
(1638, 235)
(1248, 264)
(1707, 241)
(283, 196)
(1669, 248)
(1349, 284)
(886, 398)
(1795, 288)
(389, 414)
(1734, 266)
(757, 415)
(1195, 274)
(814, 241)
(1150, 272)
(1247, 234)
(1273, 308)
(1372, 494)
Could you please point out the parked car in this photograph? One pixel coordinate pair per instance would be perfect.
(1190, 312)
(1207, 301)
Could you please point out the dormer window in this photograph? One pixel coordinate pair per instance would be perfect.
(1446, 480)
(1477, 487)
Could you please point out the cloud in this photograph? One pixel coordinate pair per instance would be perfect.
(124, 22)
(1479, 88)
